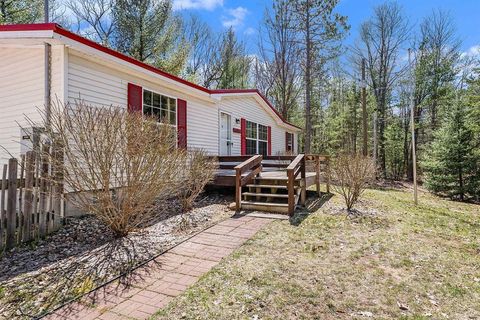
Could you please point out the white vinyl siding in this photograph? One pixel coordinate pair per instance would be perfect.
(251, 110)
(99, 84)
(22, 91)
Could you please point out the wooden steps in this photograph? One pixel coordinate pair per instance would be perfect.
(277, 184)
(265, 206)
(266, 195)
(269, 186)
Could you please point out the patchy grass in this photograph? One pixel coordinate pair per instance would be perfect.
(394, 261)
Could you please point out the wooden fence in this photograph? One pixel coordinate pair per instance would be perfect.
(30, 199)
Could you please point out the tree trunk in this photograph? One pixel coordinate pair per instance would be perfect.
(364, 110)
(308, 66)
(460, 180)
(381, 145)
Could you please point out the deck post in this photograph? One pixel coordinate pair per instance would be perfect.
(238, 189)
(303, 182)
(291, 192)
(327, 161)
(317, 175)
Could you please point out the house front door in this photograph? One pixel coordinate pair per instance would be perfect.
(225, 134)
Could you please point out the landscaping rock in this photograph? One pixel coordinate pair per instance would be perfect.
(84, 254)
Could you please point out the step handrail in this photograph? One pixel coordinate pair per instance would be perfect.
(296, 166)
(252, 164)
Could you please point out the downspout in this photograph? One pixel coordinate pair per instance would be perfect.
(48, 72)
(48, 75)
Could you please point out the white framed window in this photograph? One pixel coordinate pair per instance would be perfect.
(161, 107)
(289, 142)
(256, 138)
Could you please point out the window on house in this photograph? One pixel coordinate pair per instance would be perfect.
(163, 108)
(289, 142)
(257, 138)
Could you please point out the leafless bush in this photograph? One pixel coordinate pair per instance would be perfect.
(199, 171)
(351, 174)
(117, 165)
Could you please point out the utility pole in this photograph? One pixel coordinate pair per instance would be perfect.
(364, 109)
(412, 124)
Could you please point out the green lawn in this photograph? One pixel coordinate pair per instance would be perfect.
(396, 261)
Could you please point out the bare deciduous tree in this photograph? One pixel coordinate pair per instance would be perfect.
(117, 165)
(352, 174)
(277, 72)
(382, 38)
(97, 15)
(200, 39)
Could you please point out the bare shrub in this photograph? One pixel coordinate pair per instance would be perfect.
(117, 165)
(352, 174)
(199, 170)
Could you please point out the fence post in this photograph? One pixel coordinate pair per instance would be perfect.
(28, 200)
(42, 228)
(57, 171)
(11, 202)
(2, 206)
(21, 186)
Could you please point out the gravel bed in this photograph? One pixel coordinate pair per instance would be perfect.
(84, 254)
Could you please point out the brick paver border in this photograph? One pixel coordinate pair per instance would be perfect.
(154, 284)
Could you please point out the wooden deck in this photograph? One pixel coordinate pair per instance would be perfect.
(226, 177)
(271, 180)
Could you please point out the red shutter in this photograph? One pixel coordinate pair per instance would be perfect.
(134, 103)
(243, 136)
(182, 123)
(269, 140)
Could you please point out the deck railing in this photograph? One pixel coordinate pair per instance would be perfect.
(246, 168)
(318, 160)
(296, 167)
(253, 166)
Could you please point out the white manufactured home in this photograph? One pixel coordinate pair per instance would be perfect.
(39, 62)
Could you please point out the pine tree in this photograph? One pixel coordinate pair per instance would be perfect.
(320, 29)
(234, 62)
(148, 31)
(20, 11)
(451, 164)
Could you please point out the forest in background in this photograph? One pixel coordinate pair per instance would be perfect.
(315, 81)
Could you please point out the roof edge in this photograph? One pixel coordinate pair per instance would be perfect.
(56, 28)
(256, 91)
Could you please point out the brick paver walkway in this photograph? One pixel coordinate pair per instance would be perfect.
(152, 286)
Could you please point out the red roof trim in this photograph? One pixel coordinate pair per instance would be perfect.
(29, 27)
(59, 30)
